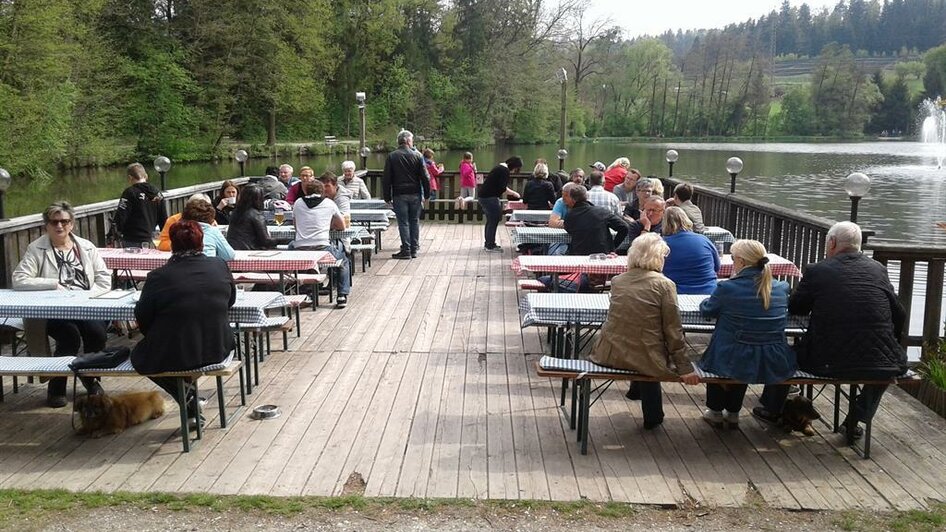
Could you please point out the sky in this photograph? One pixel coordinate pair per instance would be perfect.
(639, 17)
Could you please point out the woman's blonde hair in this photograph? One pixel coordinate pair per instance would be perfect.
(648, 252)
(541, 170)
(752, 252)
(675, 220)
(621, 161)
(658, 187)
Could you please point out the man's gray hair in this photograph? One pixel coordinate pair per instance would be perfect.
(199, 197)
(404, 137)
(644, 182)
(284, 166)
(578, 193)
(596, 178)
(846, 235)
(348, 164)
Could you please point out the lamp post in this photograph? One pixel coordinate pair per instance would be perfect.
(672, 157)
(5, 181)
(733, 166)
(363, 145)
(162, 164)
(561, 154)
(562, 76)
(857, 185)
(241, 156)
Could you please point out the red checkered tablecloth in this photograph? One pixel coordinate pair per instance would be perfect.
(245, 261)
(781, 267)
(515, 205)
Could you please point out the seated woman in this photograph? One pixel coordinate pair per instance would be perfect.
(247, 226)
(225, 203)
(693, 261)
(539, 194)
(749, 343)
(164, 244)
(215, 245)
(643, 331)
(183, 313)
(59, 260)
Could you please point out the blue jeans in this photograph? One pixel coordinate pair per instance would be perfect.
(407, 210)
(558, 249)
(493, 212)
(344, 273)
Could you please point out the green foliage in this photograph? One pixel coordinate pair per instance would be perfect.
(935, 78)
(797, 116)
(842, 96)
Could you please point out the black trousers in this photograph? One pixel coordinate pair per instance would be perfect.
(169, 385)
(865, 406)
(69, 336)
(651, 401)
(727, 397)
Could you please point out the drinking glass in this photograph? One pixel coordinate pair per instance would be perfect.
(279, 217)
(156, 238)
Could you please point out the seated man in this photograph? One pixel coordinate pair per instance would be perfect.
(285, 176)
(557, 219)
(597, 195)
(315, 216)
(855, 326)
(589, 227)
(645, 188)
(682, 195)
(273, 188)
(650, 221)
(626, 190)
(295, 191)
(339, 194)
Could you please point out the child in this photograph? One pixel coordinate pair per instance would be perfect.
(467, 180)
(434, 169)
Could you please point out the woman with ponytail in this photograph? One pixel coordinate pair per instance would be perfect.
(749, 343)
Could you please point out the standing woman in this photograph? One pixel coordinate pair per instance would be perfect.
(748, 344)
(225, 203)
(494, 186)
(247, 226)
(59, 260)
(643, 332)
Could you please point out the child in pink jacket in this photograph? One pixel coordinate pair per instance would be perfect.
(467, 178)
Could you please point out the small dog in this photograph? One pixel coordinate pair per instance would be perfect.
(798, 413)
(111, 414)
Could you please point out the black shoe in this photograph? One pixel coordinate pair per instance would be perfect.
(858, 430)
(495, 249)
(56, 401)
(762, 414)
(651, 425)
(413, 254)
(192, 423)
(401, 255)
(633, 393)
(341, 301)
(96, 388)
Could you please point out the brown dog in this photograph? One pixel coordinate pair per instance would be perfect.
(798, 413)
(111, 414)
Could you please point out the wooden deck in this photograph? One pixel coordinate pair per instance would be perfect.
(423, 386)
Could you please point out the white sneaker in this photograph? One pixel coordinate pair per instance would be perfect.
(713, 417)
(731, 418)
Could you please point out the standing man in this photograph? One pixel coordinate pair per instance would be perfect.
(405, 184)
(353, 183)
(141, 208)
(854, 330)
(494, 186)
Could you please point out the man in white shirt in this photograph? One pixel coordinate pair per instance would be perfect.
(597, 195)
(315, 216)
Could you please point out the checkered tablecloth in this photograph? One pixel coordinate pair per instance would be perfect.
(690, 315)
(282, 233)
(545, 309)
(718, 235)
(515, 205)
(568, 264)
(82, 305)
(781, 267)
(526, 215)
(245, 261)
(368, 215)
(368, 204)
(540, 235)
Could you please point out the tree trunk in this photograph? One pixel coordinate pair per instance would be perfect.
(271, 128)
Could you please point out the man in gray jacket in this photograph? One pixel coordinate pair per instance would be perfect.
(405, 184)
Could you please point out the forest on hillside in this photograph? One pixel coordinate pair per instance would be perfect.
(100, 81)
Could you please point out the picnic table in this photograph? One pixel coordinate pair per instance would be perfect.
(115, 305)
(532, 216)
(245, 261)
(287, 233)
(551, 235)
(368, 204)
(558, 264)
(380, 216)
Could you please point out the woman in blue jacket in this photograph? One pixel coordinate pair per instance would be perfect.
(749, 343)
(693, 260)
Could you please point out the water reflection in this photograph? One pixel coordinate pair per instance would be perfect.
(905, 201)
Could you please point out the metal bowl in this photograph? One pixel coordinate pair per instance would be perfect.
(266, 412)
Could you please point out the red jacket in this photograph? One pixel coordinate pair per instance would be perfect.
(614, 177)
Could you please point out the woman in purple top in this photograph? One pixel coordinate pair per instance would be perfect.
(693, 262)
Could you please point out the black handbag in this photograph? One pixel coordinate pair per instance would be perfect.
(105, 359)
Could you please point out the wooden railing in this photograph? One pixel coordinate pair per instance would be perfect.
(91, 222)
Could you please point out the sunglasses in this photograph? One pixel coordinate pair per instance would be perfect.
(60, 222)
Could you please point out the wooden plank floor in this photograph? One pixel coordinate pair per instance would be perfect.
(424, 387)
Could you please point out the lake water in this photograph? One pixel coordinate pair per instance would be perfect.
(905, 200)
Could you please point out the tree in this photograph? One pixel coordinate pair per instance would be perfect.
(934, 82)
(842, 96)
(579, 38)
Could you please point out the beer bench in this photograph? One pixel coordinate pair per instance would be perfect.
(59, 367)
(582, 372)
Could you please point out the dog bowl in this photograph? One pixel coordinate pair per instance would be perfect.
(266, 412)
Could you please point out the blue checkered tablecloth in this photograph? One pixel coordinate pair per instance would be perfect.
(718, 235)
(368, 204)
(84, 305)
(533, 216)
(539, 235)
(370, 215)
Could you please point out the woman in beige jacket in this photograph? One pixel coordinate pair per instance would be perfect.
(643, 331)
(60, 260)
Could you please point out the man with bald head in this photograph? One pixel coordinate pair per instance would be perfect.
(854, 330)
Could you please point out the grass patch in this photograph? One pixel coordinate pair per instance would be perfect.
(920, 520)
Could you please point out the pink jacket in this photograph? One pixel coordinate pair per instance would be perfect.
(434, 172)
(467, 175)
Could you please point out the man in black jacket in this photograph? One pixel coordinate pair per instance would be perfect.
(405, 184)
(589, 227)
(855, 326)
(141, 209)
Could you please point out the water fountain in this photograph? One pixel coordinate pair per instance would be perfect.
(933, 128)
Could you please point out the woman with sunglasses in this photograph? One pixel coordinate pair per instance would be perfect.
(59, 260)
